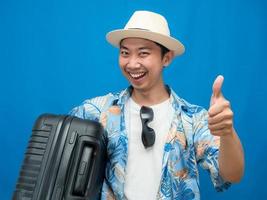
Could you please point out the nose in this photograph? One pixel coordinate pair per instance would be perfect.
(133, 62)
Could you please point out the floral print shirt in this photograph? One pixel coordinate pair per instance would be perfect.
(189, 143)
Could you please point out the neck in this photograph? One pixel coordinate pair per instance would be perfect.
(151, 97)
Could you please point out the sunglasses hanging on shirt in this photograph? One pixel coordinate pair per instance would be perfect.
(148, 134)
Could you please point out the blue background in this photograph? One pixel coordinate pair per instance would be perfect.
(53, 55)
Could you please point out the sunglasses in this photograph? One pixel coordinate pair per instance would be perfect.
(148, 134)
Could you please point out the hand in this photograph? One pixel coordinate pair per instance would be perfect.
(220, 120)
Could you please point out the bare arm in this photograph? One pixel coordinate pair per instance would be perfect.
(231, 156)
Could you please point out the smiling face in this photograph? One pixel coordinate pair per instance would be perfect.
(142, 63)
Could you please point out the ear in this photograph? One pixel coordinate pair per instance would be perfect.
(168, 58)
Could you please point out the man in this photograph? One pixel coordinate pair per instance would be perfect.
(158, 160)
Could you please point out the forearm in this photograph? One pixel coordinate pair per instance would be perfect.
(231, 158)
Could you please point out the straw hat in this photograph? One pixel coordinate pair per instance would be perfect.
(147, 25)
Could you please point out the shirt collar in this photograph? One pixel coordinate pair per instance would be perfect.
(177, 102)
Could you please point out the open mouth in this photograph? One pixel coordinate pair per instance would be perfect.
(138, 75)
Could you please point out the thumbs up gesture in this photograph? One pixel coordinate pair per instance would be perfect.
(220, 118)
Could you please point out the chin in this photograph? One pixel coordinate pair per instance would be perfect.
(139, 88)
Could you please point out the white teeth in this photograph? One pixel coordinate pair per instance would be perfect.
(136, 75)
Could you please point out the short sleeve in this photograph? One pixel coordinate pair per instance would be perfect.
(207, 149)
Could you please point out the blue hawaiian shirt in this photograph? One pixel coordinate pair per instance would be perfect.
(188, 144)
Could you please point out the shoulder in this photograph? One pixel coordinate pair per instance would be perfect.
(191, 109)
(93, 107)
(196, 115)
(186, 108)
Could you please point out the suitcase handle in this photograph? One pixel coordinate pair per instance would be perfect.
(83, 169)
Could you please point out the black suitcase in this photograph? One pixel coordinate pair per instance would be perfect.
(65, 159)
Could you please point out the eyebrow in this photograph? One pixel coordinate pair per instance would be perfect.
(140, 48)
(123, 47)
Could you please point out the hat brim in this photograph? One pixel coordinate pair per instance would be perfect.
(115, 37)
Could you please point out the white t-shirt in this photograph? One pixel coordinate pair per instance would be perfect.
(143, 170)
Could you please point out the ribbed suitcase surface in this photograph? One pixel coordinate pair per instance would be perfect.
(65, 159)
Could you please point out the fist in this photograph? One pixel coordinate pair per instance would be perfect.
(220, 115)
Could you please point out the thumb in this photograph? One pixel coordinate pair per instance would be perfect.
(217, 87)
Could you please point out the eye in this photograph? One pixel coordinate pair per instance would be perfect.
(124, 52)
(144, 53)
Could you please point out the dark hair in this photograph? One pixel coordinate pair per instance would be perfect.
(164, 49)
